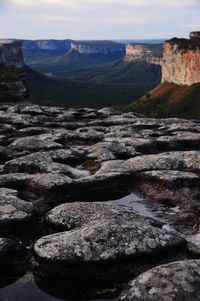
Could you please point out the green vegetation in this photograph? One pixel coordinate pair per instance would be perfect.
(121, 71)
(185, 44)
(59, 65)
(169, 100)
(48, 91)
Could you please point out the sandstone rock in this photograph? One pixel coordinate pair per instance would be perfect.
(107, 232)
(105, 151)
(185, 58)
(174, 281)
(172, 177)
(37, 142)
(12, 209)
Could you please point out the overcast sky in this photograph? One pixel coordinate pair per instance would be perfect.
(98, 19)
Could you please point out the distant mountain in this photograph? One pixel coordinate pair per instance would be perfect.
(89, 73)
(57, 56)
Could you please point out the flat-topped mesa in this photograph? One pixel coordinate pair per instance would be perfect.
(181, 62)
(50, 45)
(101, 47)
(12, 74)
(151, 54)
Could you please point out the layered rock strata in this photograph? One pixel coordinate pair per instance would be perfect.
(181, 61)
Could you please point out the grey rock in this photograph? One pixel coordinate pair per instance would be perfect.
(107, 232)
(37, 142)
(12, 209)
(171, 282)
(104, 151)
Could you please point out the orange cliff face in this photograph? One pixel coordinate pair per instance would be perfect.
(181, 61)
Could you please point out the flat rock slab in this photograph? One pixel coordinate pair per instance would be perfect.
(172, 282)
(101, 232)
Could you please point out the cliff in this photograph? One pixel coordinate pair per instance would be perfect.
(101, 47)
(181, 62)
(12, 74)
(151, 54)
(46, 44)
(179, 93)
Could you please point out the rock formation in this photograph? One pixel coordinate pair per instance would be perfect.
(181, 62)
(46, 45)
(58, 167)
(12, 75)
(105, 48)
(151, 54)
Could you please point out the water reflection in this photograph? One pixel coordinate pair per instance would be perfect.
(25, 289)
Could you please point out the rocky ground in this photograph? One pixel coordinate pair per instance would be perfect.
(60, 174)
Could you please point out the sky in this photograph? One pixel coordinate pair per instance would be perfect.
(98, 19)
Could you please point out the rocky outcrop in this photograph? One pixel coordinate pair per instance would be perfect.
(151, 54)
(181, 62)
(95, 197)
(12, 74)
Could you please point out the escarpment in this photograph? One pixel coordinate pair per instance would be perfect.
(12, 72)
(151, 54)
(181, 63)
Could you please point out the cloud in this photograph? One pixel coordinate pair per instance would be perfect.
(98, 18)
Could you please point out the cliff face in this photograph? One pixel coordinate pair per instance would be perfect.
(151, 54)
(12, 74)
(46, 45)
(105, 48)
(181, 63)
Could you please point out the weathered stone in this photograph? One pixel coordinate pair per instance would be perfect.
(12, 209)
(185, 59)
(105, 151)
(110, 232)
(174, 281)
(172, 177)
(37, 142)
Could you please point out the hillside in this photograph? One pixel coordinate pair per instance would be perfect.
(170, 100)
(49, 91)
(121, 71)
(57, 56)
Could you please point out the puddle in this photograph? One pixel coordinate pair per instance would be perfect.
(25, 289)
(148, 208)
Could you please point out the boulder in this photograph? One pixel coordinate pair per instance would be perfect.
(101, 232)
(171, 282)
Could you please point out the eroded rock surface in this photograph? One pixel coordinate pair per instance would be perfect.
(101, 232)
(58, 165)
(171, 282)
